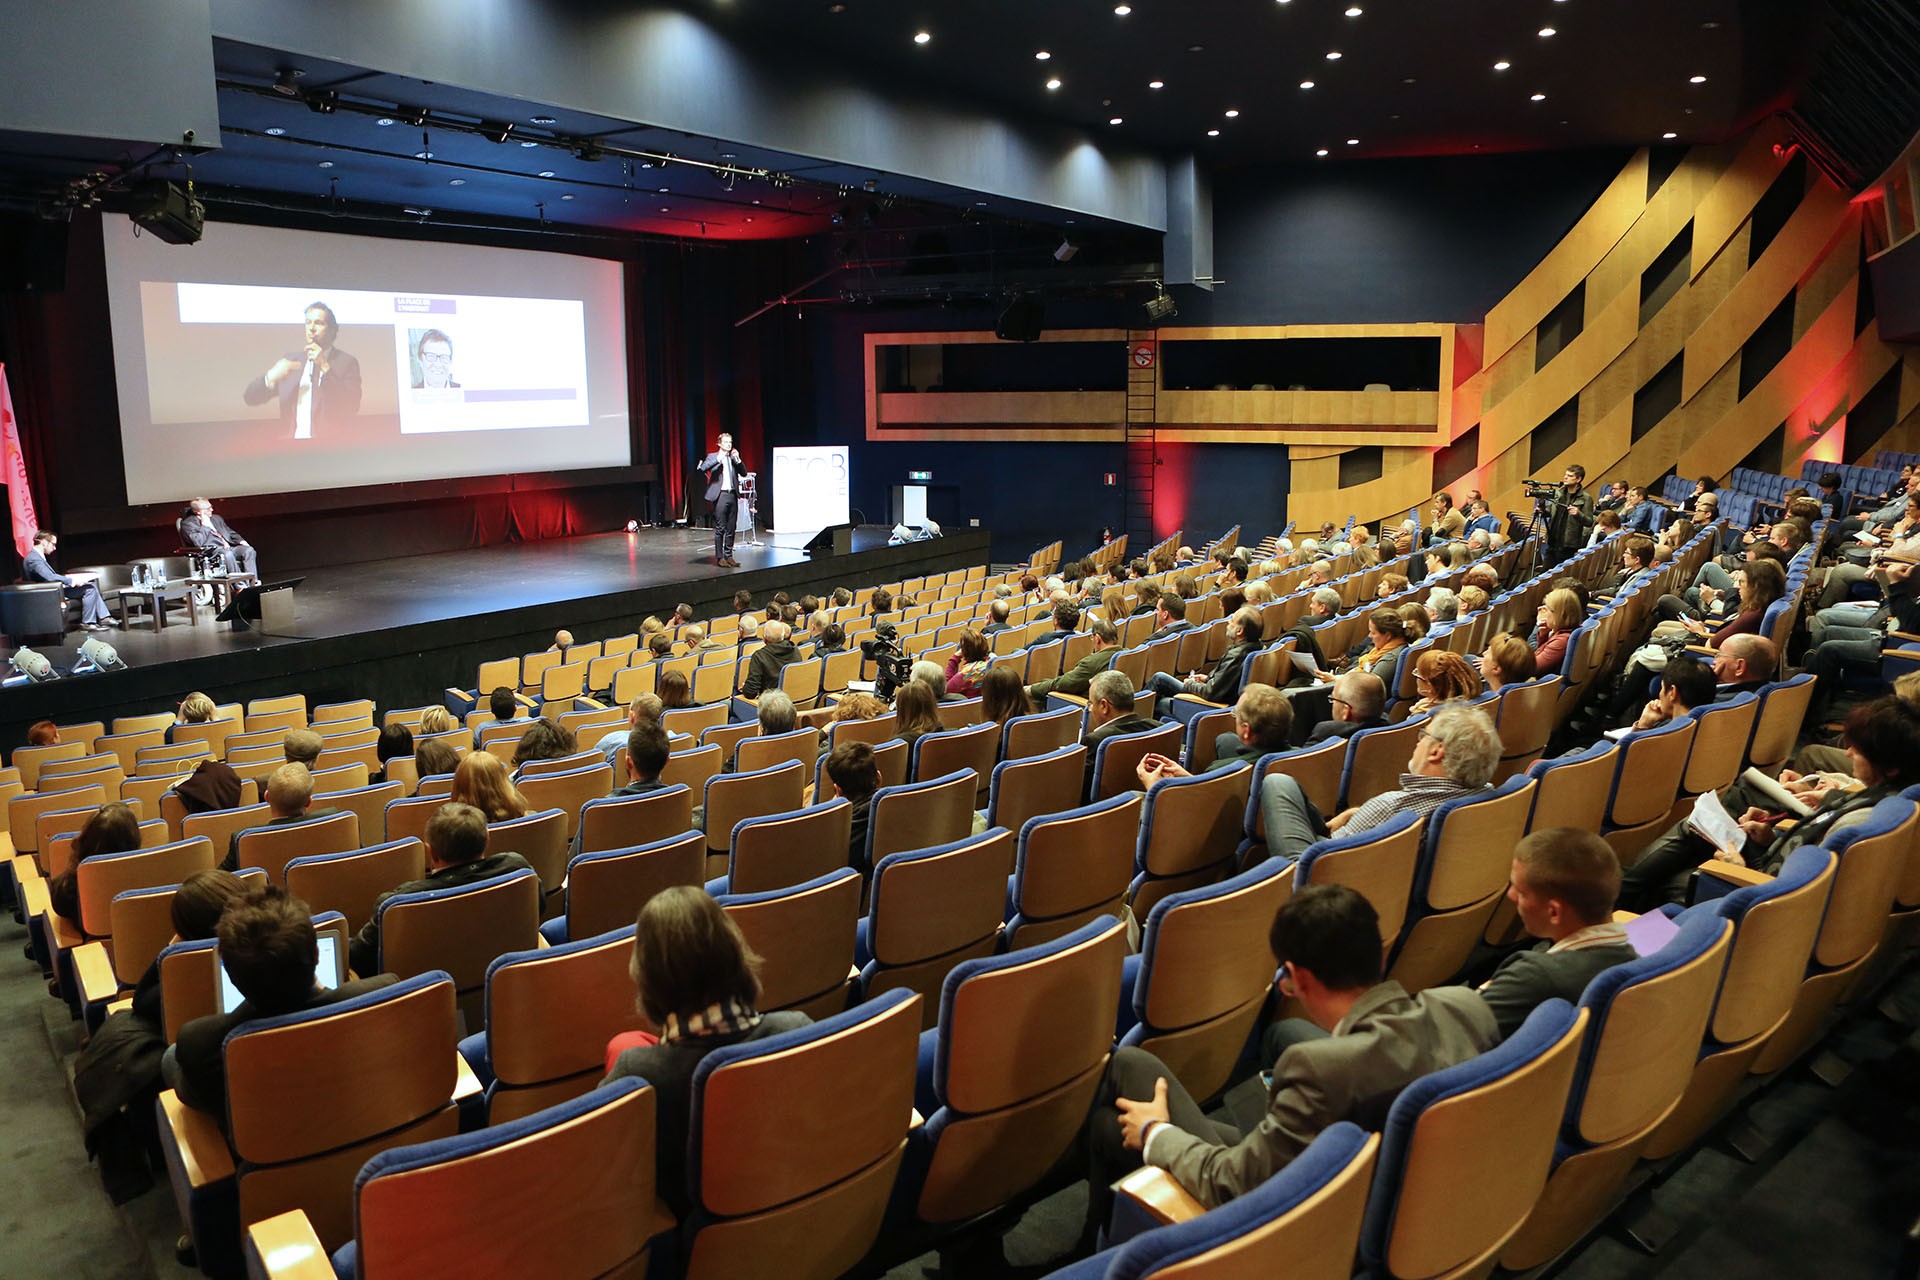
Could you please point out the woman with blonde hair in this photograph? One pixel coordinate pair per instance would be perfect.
(1472, 600)
(1508, 660)
(1442, 676)
(858, 706)
(482, 781)
(1259, 592)
(1391, 584)
(1557, 616)
(437, 720)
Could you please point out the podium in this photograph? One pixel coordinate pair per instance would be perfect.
(267, 608)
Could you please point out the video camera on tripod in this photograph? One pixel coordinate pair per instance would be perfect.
(1540, 491)
(892, 668)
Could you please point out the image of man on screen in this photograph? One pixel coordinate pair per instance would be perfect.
(316, 385)
(433, 354)
(722, 469)
(205, 531)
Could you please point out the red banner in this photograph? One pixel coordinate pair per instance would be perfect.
(13, 470)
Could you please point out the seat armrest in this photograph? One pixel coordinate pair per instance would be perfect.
(1903, 637)
(285, 1247)
(460, 696)
(93, 970)
(466, 1085)
(25, 868)
(1153, 1192)
(120, 1005)
(205, 1157)
(1734, 873)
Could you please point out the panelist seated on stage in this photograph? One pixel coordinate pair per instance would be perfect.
(205, 531)
(36, 568)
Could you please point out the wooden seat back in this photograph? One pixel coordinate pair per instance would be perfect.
(1034, 785)
(352, 882)
(777, 851)
(607, 888)
(805, 935)
(103, 876)
(568, 791)
(273, 847)
(1071, 867)
(550, 1014)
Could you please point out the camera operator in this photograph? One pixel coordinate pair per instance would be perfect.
(1569, 514)
(892, 668)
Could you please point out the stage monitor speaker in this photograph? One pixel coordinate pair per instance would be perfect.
(1022, 321)
(33, 254)
(167, 210)
(834, 540)
(268, 606)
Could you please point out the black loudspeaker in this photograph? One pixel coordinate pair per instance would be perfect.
(269, 605)
(33, 254)
(834, 540)
(1022, 321)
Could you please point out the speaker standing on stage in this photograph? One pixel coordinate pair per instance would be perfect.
(722, 468)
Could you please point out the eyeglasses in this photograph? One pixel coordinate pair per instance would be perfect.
(1340, 702)
(435, 357)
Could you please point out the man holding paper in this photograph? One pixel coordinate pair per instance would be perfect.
(1757, 822)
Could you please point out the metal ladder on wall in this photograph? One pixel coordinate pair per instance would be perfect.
(1143, 386)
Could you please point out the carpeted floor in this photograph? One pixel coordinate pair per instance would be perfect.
(1831, 1197)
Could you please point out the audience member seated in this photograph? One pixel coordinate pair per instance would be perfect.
(1839, 649)
(43, 733)
(1562, 886)
(1169, 616)
(1386, 639)
(481, 780)
(857, 706)
(505, 709)
(645, 707)
(544, 739)
(697, 982)
(1441, 676)
(270, 953)
(675, 691)
(1223, 684)
(1883, 743)
(456, 840)
(1366, 1040)
(1359, 702)
(112, 828)
(1262, 725)
(212, 785)
(1075, 680)
(302, 746)
(195, 708)
(855, 776)
(437, 720)
(775, 713)
(1556, 619)
(967, 664)
(1110, 713)
(1417, 620)
(648, 747)
(395, 743)
(1002, 696)
(289, 792)
(432, 758)
(1687, 683)
(916, 710)
(1508, 660)
(930, 674)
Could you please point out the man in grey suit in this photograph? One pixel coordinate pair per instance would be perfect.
(722, 469)
(35, 568)
(1327, 940)
(1563, 885)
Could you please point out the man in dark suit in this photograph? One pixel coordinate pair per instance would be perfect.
(35, 568)
(1562, 886)
(1110, 713)
(269, 950)
(1359, 697)
(722, 469)
(456, 840)
(1075, 680)
(205, 531)
(1378, 1040)
(318, 384)
(289, 791)
(1169, 616)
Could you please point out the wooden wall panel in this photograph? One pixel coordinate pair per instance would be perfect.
(1570, 261)
(1729, 204)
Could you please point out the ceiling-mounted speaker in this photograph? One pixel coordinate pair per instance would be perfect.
(168, 210)
(1022, 321)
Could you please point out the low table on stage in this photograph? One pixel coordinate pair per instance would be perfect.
(223, 586)
(156, 598)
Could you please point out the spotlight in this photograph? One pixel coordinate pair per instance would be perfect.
(323, 103)
(1161, 306)
(415, 116)
(287, 82)
(1066, 250)
(495, 131)
(101, 655)
(34, 666)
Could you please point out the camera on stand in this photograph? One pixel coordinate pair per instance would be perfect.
(1539, 491)
(892, 668)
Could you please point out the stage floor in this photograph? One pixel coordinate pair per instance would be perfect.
(400, 630)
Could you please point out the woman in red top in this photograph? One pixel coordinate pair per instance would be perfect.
(968, 664)
(1558, 615)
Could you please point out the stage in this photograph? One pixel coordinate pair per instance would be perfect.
(401, 630)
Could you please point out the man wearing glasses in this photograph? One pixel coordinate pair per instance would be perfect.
(434, 353)
(1378, 1039)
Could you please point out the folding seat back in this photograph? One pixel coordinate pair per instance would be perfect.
(369, 802)
(149, 791)
(1317, 769)
(568, 791)
(933, 908)
(692, 768)
(167, 754)
(1188, 833)
(1525, 722)
(1071, 868)
(275, 722)
(274, 847)
(352, 882)
(307, 1104)
(1375, 760)
(974, 748)
(1205, 972)
(1379, 864)
(606, 888)
(539, 837)
(1489, 1124)
(1022, 1045)
(1646, 1020)
(800, 1192)
(958, 715)
(59, 830)
(779, 850)
(1030, 786)
(872, 732)
(550, 1013)
(1044, 661)
(560, 764)
(622, 822)
(30, 760)
(460, 930)
(157, 720)
(100, 878)
(1461, 878)
(1720, 735)
(353, 713)
(713, 684)
(1037, 735)
(288, 702)
(920, 815)
(1776, 728)
(1574, 790)
(805, 934)
(734, 797)
(1645, 783)
(407, 819)
(533, 669)
(141, 923)
(1116, 759)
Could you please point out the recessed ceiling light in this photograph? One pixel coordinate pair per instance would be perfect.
(663, 191)
(1321, 152)
(384, 121)
(1502, 65)
(1669, 135)
(663, 208)
(423, 155)
(529, 144)
(456, 182)
(921, 37)
(1213, 133)
(1696, 79)
(1122, 10)
(1354, 11)
(1539, 97)
(568, 195)
(1353, 142)
(1041, 56)
(1333, 55)
(1156, 84)
(1306, 84)
(277, 132)
(1114, 120)
(546, 173)
(326, 164)
(1233, 113)
(1283, 1)
(1054, 83)
(980, 204)
(1196, 48)
(1547, 31)
(542, 120)
(756, 202)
